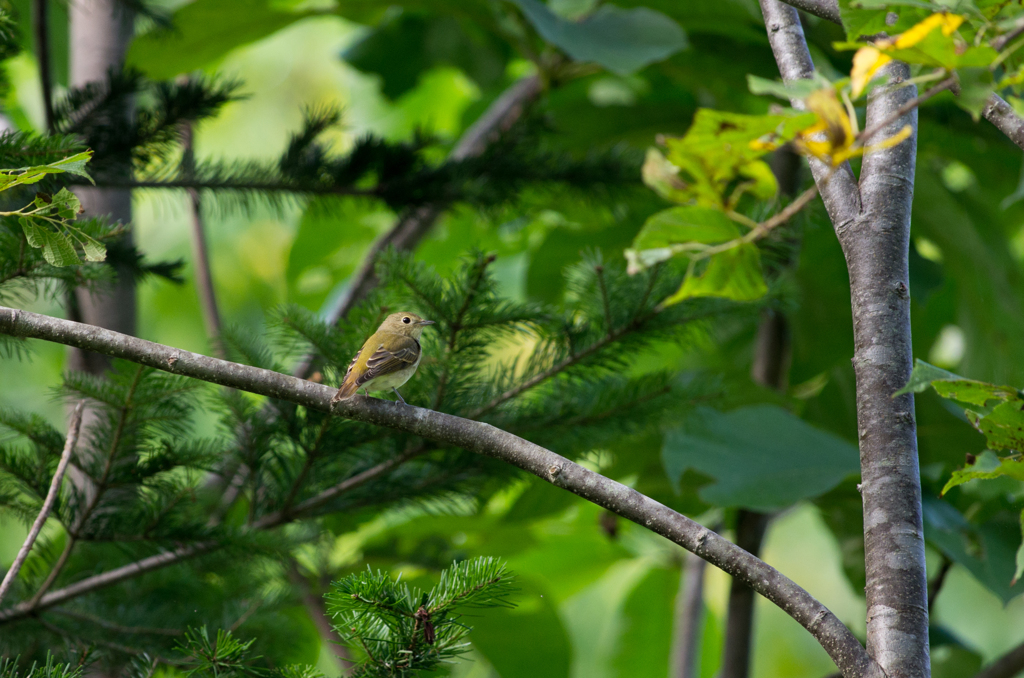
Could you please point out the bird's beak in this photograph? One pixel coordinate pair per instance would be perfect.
(427, 322)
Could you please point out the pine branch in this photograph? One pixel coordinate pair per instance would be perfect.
(472, 436)
(415, 224)
(69, 448)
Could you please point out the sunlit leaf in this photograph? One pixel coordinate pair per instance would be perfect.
(866, 63)
(59, 251)
(733, 274)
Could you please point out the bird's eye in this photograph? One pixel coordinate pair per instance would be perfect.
(406, 320)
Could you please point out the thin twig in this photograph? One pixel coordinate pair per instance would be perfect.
(688, 622)
(904, 109)
(111, 626)
(200, 252)
(51, 498)
(1003, 40)
(935, 585)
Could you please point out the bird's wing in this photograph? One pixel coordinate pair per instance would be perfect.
(352, 364)
(405, 354)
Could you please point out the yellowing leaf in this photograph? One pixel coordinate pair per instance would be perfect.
(866, 63)
(947, 22)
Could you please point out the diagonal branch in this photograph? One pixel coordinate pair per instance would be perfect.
(996, 111)
(837, 640)
(51, 497)
(1007, 666)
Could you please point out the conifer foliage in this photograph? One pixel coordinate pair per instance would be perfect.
(149, 529)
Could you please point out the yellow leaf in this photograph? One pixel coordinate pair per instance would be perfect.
(866, 63)
(891, 141)
(832, 123)
(912, 36)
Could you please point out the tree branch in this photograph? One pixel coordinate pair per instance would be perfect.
(838, 187)
(481, 438)
(689, 619)
(200, 252)
(876, 249)
(69, 447)
(410, 228)
(1007, 666)
(996, 111)
(41, 27)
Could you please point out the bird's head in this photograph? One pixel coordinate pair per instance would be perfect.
(405, 323)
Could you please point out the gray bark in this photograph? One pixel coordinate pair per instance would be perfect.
(872, 222)
(688, 622)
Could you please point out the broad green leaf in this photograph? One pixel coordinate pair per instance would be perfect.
(678, 230)
(59, 251)
(861, 18)
(720, 147)
(1003, 427)
(987, 466)
(402, 49)
(67, 204)
(501, 634)
(734, 274)
(622, 41)
(94, 249)
(686, 224)
(760, 457)
(74, 165)
(204, 31)
(34, 233)
(987, 551)
(798, 89)
(976, 86)
(950, 385)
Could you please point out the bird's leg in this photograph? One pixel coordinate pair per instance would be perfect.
(399, 396)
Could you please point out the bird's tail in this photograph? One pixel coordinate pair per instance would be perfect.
(347, 390)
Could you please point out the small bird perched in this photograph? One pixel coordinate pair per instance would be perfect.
(387, 359)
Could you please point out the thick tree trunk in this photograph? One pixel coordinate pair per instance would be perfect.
(876, 248)
(872, 222)
(100, 31)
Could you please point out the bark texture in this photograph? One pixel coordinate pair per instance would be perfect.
(99, 34)
(876, 248)
(478, 437)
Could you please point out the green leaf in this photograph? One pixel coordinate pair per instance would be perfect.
(59, 250)
(205, 31)
(760, 457)
(986, 551)
(1003, 427)
(976, 86)
(74, 165)
(866, 18)
(67, 204)
(682, 225)
(622, 41)
(950, 385)
(798, 89)
(34, 233)
(733, 274)
(987, 466)
(94, 249)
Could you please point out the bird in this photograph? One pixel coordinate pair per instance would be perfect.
(387, 359)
